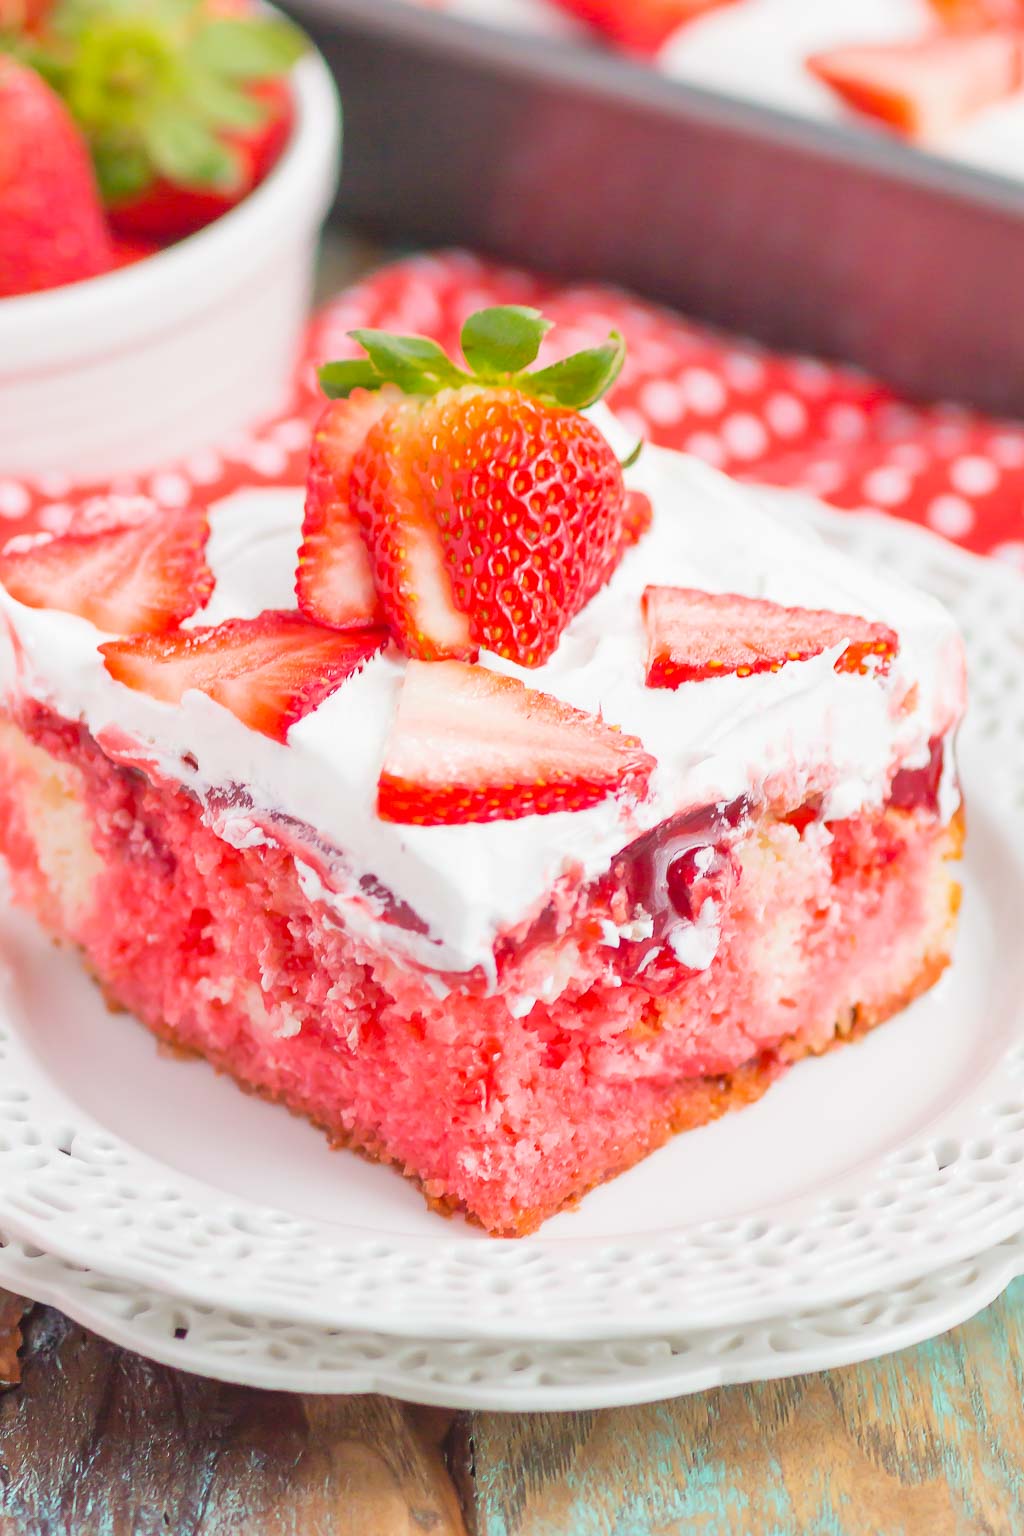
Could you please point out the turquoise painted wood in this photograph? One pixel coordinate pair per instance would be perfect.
(929, 1442)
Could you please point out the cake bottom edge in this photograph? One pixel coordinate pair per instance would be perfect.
(701, 1100)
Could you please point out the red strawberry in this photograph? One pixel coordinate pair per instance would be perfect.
(492, 518)
(636, 518)
(269, 671)
(127, 253)
(492, 509)
(335, 582)
(638, 24)
(184, 107)
(637, 513)
(693, 635)
(51, 223)
(924, 88)
(167, 210)
(470, 745)
(136, 579)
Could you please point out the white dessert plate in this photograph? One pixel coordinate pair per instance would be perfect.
(859, 1172)
(508, 1375)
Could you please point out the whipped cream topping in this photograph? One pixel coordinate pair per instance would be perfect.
(804, 730)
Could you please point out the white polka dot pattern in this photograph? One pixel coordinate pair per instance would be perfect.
(778, 420)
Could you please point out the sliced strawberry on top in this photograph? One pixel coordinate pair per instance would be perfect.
(405, 541)
(334, 584)
(468, 744)
(923, 88)
(692, 635)
(269, 671)
(137, 579)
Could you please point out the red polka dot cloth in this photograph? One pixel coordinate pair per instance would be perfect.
(779, 420)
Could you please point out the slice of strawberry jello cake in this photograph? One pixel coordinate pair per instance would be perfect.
(502, 810)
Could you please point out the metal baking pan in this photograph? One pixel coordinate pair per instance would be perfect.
(809, 236)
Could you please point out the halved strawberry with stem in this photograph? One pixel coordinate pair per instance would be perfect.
(924, 88)
(692, 635)
(334, 583)
(269, 671)
(139, 579)
(468, 744)
(492, 509)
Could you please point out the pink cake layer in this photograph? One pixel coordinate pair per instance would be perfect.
(825, 931)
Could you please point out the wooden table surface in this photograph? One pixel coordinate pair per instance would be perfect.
(99, 1442)
(95, 1441)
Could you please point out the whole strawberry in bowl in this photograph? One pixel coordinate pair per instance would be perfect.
(52, 229)
(205, 135)
(186, 105)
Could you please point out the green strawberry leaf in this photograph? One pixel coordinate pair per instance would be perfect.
(167, 81)
(338, 380)
(248, 48)
(222, 104)
(189, 154)
(579, 380)
(415, 363)
(635, 453)
(115, 71)
(122, 170)
(503, 340)
(498, 344)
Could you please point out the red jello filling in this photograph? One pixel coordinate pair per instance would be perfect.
(668, 875)
(918, 788)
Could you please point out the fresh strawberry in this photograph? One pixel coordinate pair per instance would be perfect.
(52, 229)
(637, 514)
(470, 745)
(269, 671)
(923, 89)
(492, 509)
(636, 518)
(334, 584)
(184, 104)
(642, 25)
(128, 253)
(168, 210)
(693, 635)
(136, 579)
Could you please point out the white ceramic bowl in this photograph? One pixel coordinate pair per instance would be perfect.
(131, 370)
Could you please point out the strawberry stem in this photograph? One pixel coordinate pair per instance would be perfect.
(498, 344)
